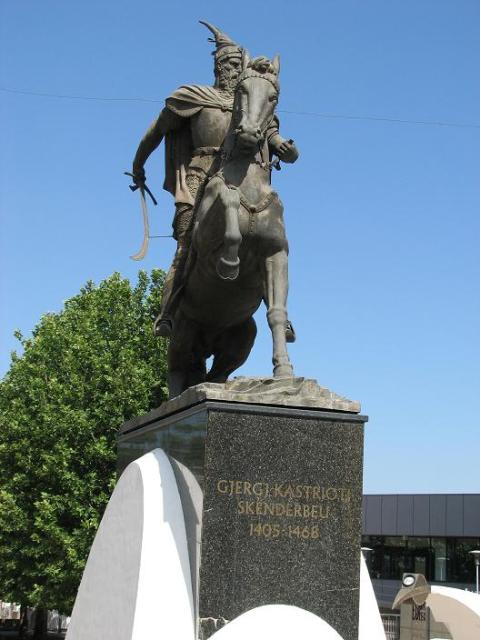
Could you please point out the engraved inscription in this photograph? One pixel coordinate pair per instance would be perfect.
(282, 502)
(268, 530)
(282, 490)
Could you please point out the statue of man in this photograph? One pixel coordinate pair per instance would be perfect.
(194, 123)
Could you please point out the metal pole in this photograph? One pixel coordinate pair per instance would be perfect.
(476, 557)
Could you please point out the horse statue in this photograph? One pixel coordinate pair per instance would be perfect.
(239, 249)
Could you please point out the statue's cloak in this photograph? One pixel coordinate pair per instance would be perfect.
(185, 102)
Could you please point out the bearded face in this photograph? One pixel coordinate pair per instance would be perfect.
(227, 72)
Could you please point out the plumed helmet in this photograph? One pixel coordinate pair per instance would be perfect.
(225, 46)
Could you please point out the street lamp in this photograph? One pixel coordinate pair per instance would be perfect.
(476, 557)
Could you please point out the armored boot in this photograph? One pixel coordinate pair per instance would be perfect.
(163, 325)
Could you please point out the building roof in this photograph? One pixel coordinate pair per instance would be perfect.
(450, 515)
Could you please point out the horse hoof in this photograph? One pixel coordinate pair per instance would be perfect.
(283, 371)
(228, 269)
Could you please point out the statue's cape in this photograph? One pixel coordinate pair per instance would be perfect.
(189, 99)
(186, 102)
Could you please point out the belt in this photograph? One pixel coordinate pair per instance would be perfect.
(205, 151)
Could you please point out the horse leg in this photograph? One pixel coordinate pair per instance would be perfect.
(229, 263)
(184, 362)
(223, 201)
(276, 267)
(232, 349)
(208, 200)
(198, 369)
(177, 372)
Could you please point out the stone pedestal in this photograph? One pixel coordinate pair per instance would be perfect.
(280, 465)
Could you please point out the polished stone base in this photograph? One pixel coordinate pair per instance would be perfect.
(282, 490)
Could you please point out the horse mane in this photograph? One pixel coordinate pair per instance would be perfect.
(260, 66)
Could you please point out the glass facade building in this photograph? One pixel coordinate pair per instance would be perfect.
(439, 559)
(420, 533)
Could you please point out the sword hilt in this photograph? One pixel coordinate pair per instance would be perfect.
(134, 187)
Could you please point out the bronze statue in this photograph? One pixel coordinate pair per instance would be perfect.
(232, 249)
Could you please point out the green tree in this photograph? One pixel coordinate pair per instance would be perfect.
(83, 373)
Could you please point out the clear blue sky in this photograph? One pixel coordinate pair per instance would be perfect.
(383, 217)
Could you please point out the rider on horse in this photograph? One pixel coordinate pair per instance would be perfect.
(194, 123)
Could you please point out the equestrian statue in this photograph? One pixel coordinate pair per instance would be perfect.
(221, 143)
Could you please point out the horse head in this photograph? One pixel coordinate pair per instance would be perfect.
(256, 96)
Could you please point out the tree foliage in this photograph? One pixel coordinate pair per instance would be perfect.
(83, 373)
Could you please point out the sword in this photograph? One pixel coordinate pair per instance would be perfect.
(146, 227)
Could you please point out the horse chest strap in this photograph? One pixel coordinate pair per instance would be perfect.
(257, 208)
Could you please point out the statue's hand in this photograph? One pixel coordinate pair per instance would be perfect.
(287, 151)
(138, 176)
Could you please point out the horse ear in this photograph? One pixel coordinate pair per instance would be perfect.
(276, 64)
(245, 59)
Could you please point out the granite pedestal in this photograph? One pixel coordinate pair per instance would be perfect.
(282, 488)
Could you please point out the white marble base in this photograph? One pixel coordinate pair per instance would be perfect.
(279, 621)
(370, 625)
(137, 582)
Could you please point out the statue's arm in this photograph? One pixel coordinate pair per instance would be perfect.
(284, 149)
(167, 121)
